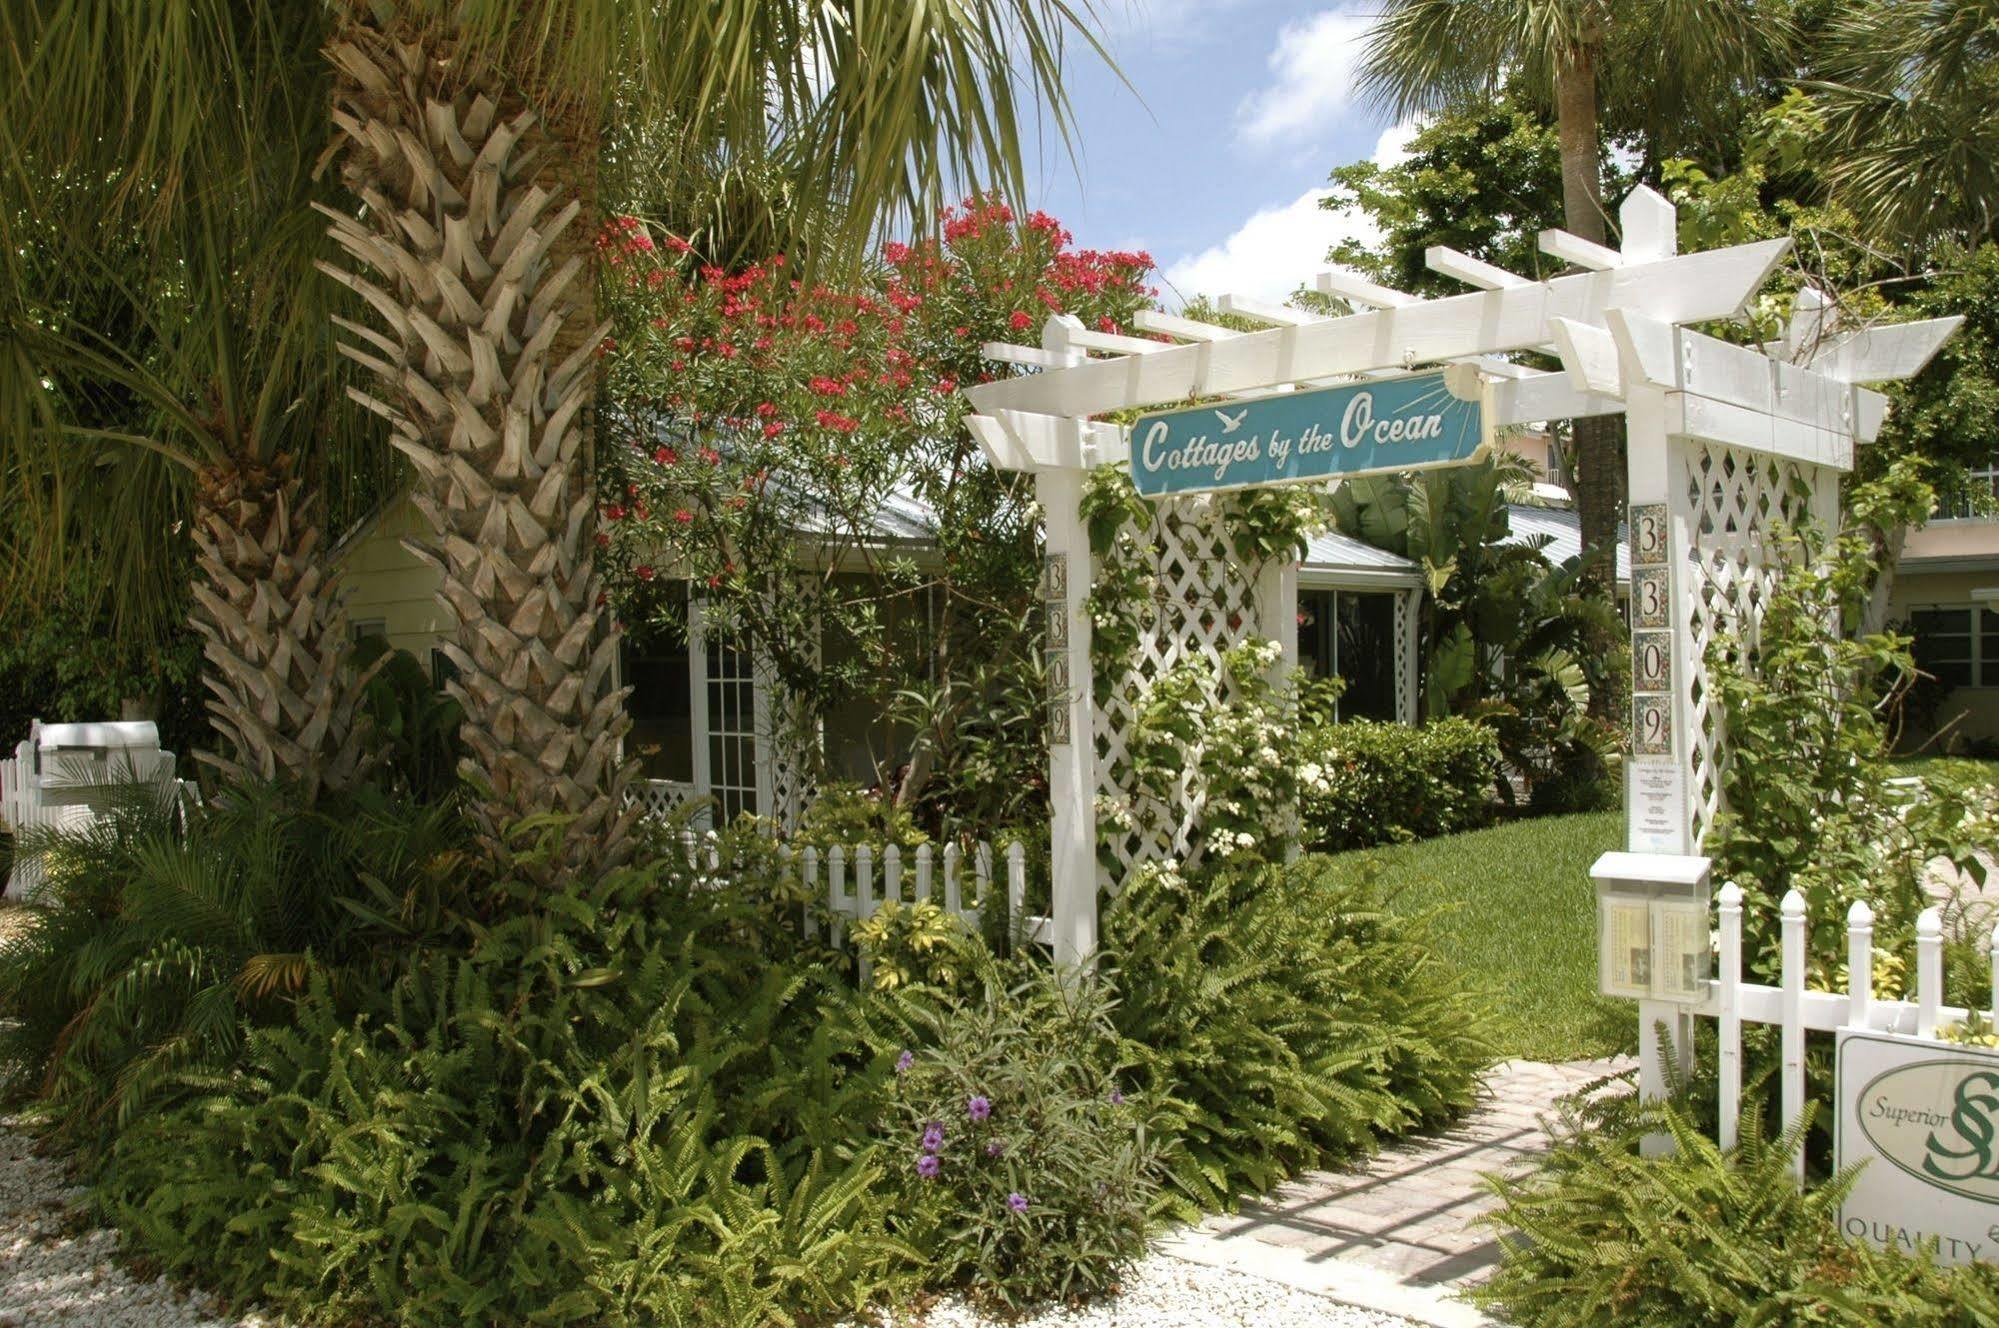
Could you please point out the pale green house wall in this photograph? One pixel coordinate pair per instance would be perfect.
(390, 591)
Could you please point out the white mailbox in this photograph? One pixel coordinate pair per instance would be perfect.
(65, 773)
(1652, 926)
(75, 764)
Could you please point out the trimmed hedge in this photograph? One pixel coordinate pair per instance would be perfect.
(1390, 783)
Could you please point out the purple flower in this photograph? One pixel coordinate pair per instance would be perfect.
(929, 1165)
(904, 1061)
(978, 1108)
(1117, 1098)
(995, 1148)
(933, 1136)
(1017, 1201)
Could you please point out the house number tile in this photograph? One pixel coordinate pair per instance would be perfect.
(1648, 534)
(1652, 725)
(1648, 598)
(1055, 576)
(1058, 624)
(1652, 661)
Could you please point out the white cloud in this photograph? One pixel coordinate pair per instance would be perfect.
(1311, 84)
(1281, 248)
(1270, 255)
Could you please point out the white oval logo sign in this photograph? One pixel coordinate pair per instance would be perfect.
(1938, 1121)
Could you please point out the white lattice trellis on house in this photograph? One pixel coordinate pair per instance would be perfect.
(1729, 502)
(1205, 603)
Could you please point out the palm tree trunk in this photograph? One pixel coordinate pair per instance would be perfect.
(274, 628)
(1598, 441)
(472, 248)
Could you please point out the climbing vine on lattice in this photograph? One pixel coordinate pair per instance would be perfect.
(1175, 583)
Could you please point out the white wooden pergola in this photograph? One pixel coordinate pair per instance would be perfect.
(1722, 440)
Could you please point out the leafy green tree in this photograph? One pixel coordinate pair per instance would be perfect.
(1485, 180)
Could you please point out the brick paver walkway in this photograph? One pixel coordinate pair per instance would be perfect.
(1400, 1222)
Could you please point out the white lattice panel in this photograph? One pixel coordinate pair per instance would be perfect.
(1204, 603)
(1729, 501)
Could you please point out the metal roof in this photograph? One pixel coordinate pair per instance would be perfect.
(1332, 558)
(1564, 529)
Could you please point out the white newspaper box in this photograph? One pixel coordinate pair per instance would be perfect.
(1652, 926)
(65, 774)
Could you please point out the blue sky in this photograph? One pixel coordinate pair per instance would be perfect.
(1213, 158)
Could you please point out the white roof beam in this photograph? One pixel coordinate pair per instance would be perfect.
(1885, 354)
(1690, 288)
(1113, 342)
(1263, 311)
(1006, 352)
(1356, 289)
(1574, 249)
(1589, 357)
(1186, 329)
(1446, 261)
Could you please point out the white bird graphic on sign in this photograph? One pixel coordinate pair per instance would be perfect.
(1230, 423)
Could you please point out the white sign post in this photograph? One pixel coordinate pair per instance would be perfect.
(1924, 1118)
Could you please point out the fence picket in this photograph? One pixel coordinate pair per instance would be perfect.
(836, 891)
(892, 873)
(1929, 971)
(1859, 964)
(1730, 1056)
(923, 873)
(1016, 887)
(953, 896)
(864, 882)
(1793, 1032)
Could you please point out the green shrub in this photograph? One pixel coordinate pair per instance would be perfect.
(1599, 1234)
(848, 815)
(1390, 783)
(1279, 1019)
(148, 949)
(603, 1112)
(414, 724)
(1030, 1174)
(916, 943)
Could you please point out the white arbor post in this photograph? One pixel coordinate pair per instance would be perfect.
(1072, 768)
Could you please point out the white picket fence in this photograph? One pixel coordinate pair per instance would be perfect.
(854, 881)
(1731, 1002)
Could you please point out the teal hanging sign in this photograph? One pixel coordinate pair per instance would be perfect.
(1329, 433)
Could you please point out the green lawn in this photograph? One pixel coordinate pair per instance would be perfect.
(1519, 916)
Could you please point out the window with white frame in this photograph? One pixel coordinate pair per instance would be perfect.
(1957, 644)
(1975, 498)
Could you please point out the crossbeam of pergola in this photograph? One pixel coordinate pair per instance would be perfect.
(1618, 326)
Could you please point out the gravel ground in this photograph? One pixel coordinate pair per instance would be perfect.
(55, 1271)
(1166, 1292)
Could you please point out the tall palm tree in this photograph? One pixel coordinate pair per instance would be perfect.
(1672, 55)
(1907, 88)
(166, 369)
(471, 133)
